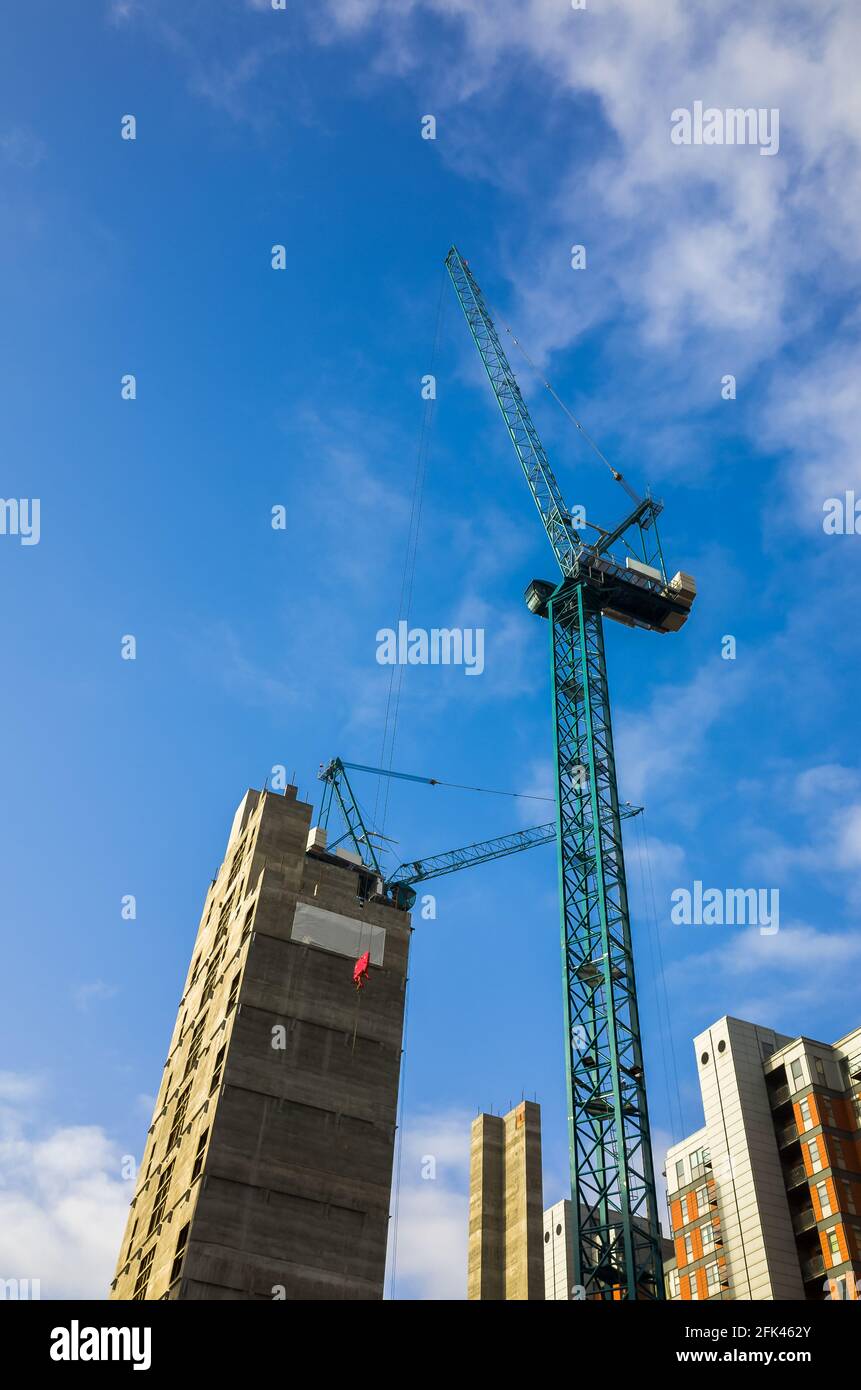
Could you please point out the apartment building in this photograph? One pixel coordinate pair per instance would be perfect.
(765, 1198)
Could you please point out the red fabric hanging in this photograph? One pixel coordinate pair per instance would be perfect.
(361, 970)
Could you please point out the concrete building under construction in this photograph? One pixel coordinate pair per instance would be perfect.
(506, 1255)
(268, 1164)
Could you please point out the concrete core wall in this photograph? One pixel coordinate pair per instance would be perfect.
(506, 1254)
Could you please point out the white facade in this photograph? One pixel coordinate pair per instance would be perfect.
(737, 1150)
(558, 1256)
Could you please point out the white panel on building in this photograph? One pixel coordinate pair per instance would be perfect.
(314, 926)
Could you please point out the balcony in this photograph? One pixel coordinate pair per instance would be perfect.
(804, 1220)
(787, 1135)
(793, 1177)
(779, 1096)
(813, 1269)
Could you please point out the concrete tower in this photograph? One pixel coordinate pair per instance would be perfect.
(268, 1165)
(506, 1255)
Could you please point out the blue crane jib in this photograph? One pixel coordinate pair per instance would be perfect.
(637, 592)
(397, 886)
(615, 1228)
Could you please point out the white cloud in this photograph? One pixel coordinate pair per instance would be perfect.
(85, 994)
(22, 148)
(63, 1204)
(783, 978)
(658, 745)
(708, 253)
(432, 1212)
(828, 795)
(17, 1088)
(734, 228)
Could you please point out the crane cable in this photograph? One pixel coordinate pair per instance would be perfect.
(408, 574)
(400, 1141)
(489, 791)
(619, 477)
(407, 580)
(660, 986)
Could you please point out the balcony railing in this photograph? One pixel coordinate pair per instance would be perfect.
(804, 1220)
(779, 1096)
(813, 1269)
(787, 1135)
(794, 1176)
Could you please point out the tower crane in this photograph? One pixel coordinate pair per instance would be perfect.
(615, 1229)
(397, 886)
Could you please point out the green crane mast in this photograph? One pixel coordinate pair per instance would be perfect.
(616, 1235)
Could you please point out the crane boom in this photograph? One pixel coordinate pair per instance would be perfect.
(533, 459)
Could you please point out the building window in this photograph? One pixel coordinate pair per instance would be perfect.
(797, 1074)
(143, 1274)
(804, 1113)
(246, 925)
(194, 1045)
(211, 973)
(849, 1195)
(833, 1243)
(234, 992)
(820, 1070)
(673, 1280)
(160, 1197)
(180, 1251)
(689, 1248)
(135, 1226)
(198, 1157)
(816, 1163)
(702, 1200)
(216, 1075)
(708, 1235)
(699, 1159)
(824, 1199)
(680, 1173)
(713, 1279)
(178, 1119)
(825, 1102)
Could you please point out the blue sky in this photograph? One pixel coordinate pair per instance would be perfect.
(302, 388)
